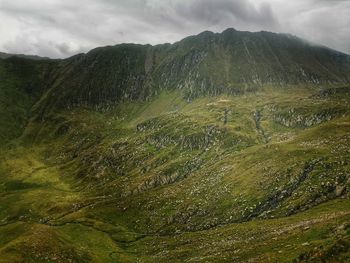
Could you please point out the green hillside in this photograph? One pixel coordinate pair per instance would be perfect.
(230, 147)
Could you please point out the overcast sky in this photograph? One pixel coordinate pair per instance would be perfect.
(61, 28)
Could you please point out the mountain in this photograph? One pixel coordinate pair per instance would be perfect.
(222, 147)
(206, 64)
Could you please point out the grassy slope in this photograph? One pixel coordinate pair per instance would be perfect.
(171, 180)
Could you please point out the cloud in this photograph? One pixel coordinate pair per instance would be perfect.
(223, 11)
(61, 28)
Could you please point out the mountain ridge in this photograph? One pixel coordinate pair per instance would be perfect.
(4, 55)
(205, 64)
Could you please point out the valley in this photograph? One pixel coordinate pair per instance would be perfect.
(100, 163)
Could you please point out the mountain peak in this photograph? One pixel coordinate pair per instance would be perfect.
(229, 30)
(206, 33)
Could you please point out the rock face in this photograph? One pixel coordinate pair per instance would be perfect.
(231, 62)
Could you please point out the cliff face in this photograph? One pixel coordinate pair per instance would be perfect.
(233, 61)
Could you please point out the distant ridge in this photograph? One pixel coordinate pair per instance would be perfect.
(34, 57)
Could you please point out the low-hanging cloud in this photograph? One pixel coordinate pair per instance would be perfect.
(61, 28)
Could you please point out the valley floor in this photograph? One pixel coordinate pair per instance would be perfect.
(251, 178)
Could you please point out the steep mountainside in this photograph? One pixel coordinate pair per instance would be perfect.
(230, 147)
(22, 83)
(207, 64)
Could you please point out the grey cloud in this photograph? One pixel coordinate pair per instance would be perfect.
(60, 28)
(64, 48)
(323, 22)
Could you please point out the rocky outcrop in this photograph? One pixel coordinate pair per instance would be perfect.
(332, 91)
(257, 115)
(295, 117)
(277, 197)
(174, 173)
